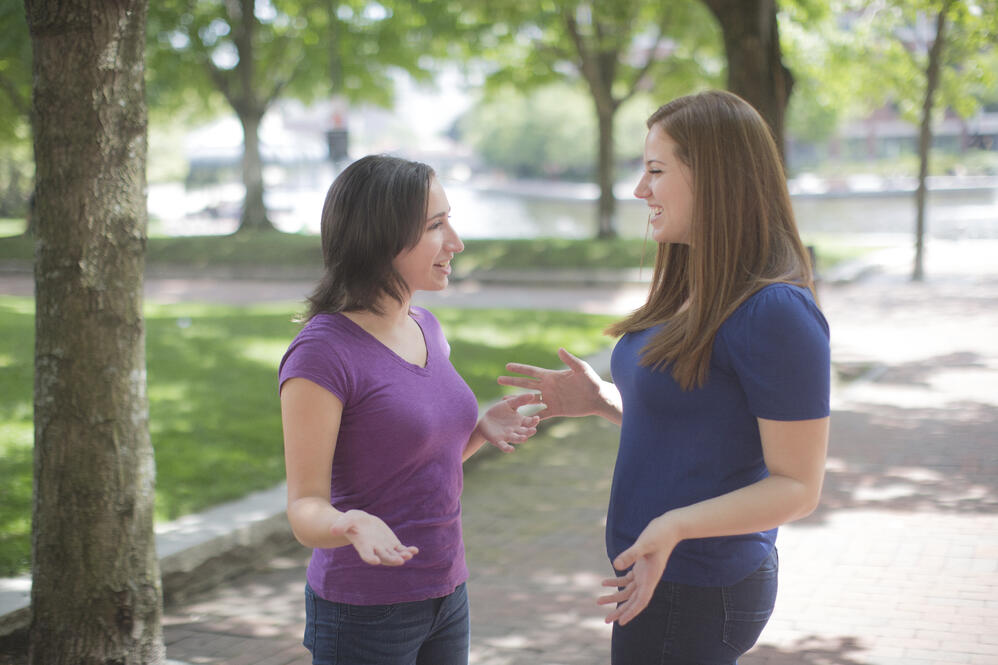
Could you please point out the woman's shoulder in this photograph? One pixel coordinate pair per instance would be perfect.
(778, 305)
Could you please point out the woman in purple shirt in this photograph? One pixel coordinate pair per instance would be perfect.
(720, 386)
(377, 424)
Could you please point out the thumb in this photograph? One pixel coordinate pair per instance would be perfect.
(571, 361)
(627, 558)
(342, 526)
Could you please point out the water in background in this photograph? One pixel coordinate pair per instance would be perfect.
(525, 210)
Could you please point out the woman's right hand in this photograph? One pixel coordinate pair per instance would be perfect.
(575, 391)
(374, 541)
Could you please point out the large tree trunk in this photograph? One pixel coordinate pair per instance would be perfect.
(96, 595)
(932, 71)
(755, 62)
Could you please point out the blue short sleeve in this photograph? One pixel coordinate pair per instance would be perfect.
(777, 344)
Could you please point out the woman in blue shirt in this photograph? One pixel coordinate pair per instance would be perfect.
(720, 386)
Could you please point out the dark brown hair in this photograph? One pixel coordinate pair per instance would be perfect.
(375, 209)
(742, 236)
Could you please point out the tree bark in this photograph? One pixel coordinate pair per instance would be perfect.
(607, 206)
(254, 214)
(755, 62)
(932, 72)
(250, 110)
(96, 595)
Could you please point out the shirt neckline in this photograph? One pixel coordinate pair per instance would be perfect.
(418, 369)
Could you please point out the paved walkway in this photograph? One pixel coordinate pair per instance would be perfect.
(898, 565)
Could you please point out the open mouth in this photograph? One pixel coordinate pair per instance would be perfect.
(653, 212)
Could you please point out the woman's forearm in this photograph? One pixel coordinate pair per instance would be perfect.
(475, 442)
(763, 505)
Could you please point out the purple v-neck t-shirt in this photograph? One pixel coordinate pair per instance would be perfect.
(398, 456)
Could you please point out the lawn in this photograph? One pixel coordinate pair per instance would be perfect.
(214, 412)
(302, 253)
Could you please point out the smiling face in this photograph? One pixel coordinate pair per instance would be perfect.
(426, 265)
(667, 187)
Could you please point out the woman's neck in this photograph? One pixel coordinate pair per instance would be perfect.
(394, 316)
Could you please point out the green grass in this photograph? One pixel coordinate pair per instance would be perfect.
(212, 382)
(282, 250)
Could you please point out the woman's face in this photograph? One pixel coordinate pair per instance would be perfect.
(426, 265)
(667, 187)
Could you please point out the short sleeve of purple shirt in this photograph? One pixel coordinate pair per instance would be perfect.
(397, 455)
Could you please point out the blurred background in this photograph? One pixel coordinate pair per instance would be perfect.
(255, 106)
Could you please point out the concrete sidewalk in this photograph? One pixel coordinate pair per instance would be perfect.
(898, 565)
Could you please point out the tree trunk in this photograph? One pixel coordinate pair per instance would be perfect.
(932, 71)
(254, 215)
(755, 62)
(96, 595)
(607, 208)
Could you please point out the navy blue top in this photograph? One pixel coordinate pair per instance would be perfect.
(770, 360)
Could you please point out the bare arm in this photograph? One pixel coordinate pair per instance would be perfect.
(575, 391)
(311, 417)
(795, 456)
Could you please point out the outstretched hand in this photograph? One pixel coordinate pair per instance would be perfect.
(646, 559)
(573, 391)
(503, 425)
(374, 540)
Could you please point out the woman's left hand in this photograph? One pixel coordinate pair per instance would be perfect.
(646, 558)
(503, 425)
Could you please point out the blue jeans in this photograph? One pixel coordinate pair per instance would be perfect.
(426, 632)
(689, 625)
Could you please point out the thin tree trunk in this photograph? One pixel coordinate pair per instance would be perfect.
(607, 208)
(96, 595)
(932, 72)
(254, 215)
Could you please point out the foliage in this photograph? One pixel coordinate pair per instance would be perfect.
(16, 168)
(611, 49)
(214, 412)
(886, 44)
(550, 132)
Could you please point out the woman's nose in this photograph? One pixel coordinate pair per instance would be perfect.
(641, 190)
(454, 243)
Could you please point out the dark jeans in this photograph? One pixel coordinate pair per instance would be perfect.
(426, 632)
(689, 625)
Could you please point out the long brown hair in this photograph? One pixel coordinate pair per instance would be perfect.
(742, 237)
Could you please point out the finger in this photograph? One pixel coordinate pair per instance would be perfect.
(522, 399)
(614, 598)
(619, 582)
(518, 382)
(388, 556)
(503, 446)
(635, 606)
(526, 370)
(368, 556)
